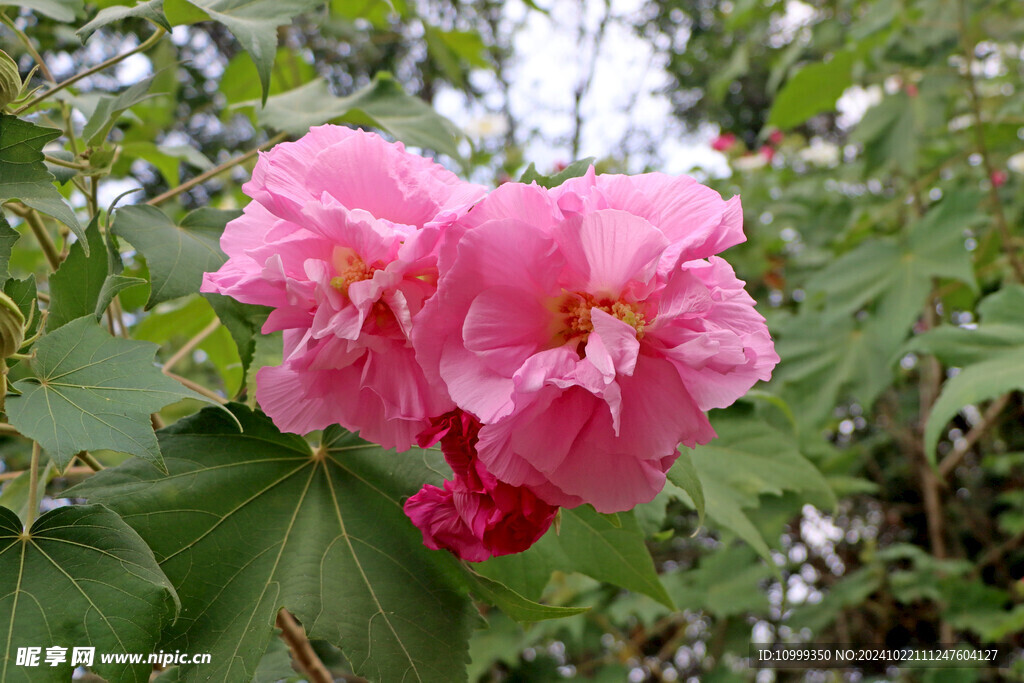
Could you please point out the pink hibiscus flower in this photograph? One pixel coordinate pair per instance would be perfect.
(589, 328)
(475, 516)
(341, 240)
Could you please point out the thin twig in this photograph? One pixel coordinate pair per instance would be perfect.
(950, 462)
(293, 634)
(979, 140)
(216, 170)
(145, 45)
(994, 554)
(192, 343)
(198, 388)
(8, 430)
(69, 472)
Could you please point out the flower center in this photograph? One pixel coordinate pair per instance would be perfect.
(350, 268)
(575, 323)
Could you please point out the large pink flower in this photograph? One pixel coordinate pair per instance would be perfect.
(475, 516)
(341, 240)
(589, 328)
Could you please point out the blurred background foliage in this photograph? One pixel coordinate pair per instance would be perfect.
(873, 492)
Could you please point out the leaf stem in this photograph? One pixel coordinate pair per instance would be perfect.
(69, 472)
(192, 343)
(33, 485)
(142, 47)
(198, 388)
(66, 164)
(216, 170)
(293, 634)
(42, 234)
(8, 430)
(89, 460)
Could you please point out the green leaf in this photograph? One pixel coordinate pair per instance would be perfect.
(888, 133)
(573, 170)
(86, 284)
(276, 524)
(177, 255)
(898, 273)
(15, 495)
(1001, 330)
(61, 10)
(240, 82)
(812, 90)
(382, 104)
(823, 361)
(749, 459)
(75, 287)
(684, 475)
(589, 544)
(150, 10)
(992, 356)
(23, 174)
(726, 583)
(275, 666)
(243, 321)
(110, 107)
(8, 236)
(254, 23)
(973, 384)
(513, 604)
(81, 578)
(91, 391)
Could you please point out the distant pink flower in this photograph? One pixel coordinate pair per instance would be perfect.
(475, 516)
(999, 178)
(767, 151)
(341, 240)
(776, 137)
(589, 328)
(723, 142)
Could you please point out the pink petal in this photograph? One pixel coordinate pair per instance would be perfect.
(505, 325)
(607, 249)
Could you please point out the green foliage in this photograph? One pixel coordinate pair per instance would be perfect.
(23, 175)
(177, 253)
(870, 492)
(79, 577)
(381, 104)
(321, 533)
(78, 398)
(812, 90)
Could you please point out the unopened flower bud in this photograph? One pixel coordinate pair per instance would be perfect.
(12, 327)
(10, 80)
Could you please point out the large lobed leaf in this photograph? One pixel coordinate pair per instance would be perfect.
(89, 390)
(177, 253)
(992, 357)
(80, 578)
(749, 459)
(83, 284)
(274, 525)
(23, 174)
